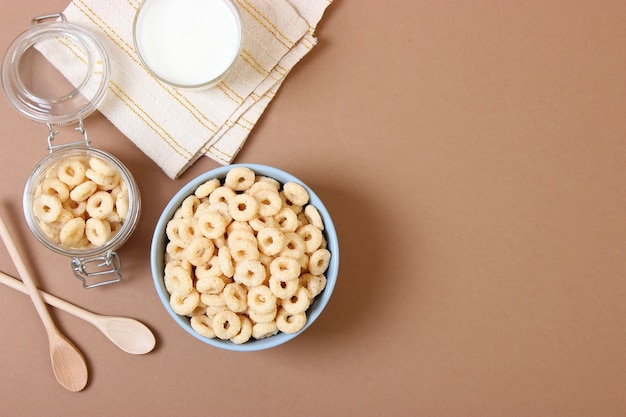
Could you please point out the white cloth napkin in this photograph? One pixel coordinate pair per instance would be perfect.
(176, 127)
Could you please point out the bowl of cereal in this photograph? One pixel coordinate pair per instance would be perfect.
(245, 257)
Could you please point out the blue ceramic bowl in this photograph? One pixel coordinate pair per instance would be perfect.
(159, 242)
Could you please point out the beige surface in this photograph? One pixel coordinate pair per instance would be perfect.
(472, 155)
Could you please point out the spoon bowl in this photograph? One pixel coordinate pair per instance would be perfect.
(130, 335)
(68, 364)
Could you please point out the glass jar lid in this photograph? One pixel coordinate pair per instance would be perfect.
(33, 82)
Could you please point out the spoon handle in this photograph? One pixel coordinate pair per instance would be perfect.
(27, 279)
(50, 299)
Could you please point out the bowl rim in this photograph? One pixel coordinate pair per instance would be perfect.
(157, 249)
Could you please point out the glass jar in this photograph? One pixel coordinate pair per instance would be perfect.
(78, 201)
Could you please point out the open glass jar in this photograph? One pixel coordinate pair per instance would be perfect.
(78, 201)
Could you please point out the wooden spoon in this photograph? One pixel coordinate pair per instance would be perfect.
(68, 363)
(128, 334)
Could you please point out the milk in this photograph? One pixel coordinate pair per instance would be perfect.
(188, 42)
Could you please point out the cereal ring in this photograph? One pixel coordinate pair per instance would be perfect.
(207, 188)
(263, 183)
(243, 207)
(261, 299)
(244, 249)
(290, 323)
(102, 167)
(221, 195)
(71, 172)
(178, 214)
(263, 330)
(181, 263)
(199, 251)
(261, 222)
(203, 325)
(83, 191)
(285, 268)
(287, 220)
(176, 250)
(211, 311)
(77, 208)
(245, 333)
(47, 208)
(189, 206)
(239, 178)
(184, 304)
(210, 268)
(100, 205)
(177, 279)
(105, 182)
(180, 230)
(215, 301)
(236, 297)
(268, 317)
(98, 231)
(297, 303)
(313, 283)
(283, 288)
(319, 261)
(121, 204)
(237, 226)
(226, 261)
(235, 236)
(269, 201)
(221, 208)
(55, 187)
(211, 224)
(226, 324)
(73, 233)
(312, 237)
(294, 246)
(64, 217)
(210, 285)
(270, 241)
(273, 181)
(296, 193)
(313, 215)
(249, 272)
(203, 207)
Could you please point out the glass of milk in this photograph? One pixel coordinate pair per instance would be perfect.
(188, 43)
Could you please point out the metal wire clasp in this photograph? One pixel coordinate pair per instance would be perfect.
(80, 128)
(55, 16)
(106, 265)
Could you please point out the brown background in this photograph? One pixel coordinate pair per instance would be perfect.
(472, 154)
